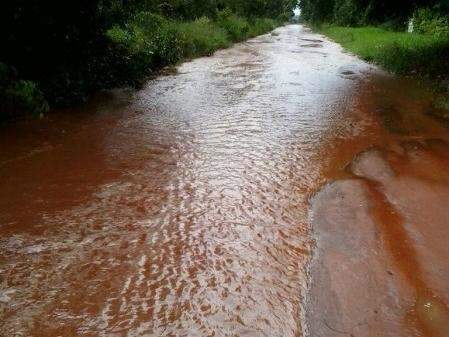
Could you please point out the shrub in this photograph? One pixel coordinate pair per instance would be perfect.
(201, 37)
(147, 42)
(260, 26)
(346, 13)
(236, 27)
(427, 21)
(157, 36)
(27, 95)
(22, 97)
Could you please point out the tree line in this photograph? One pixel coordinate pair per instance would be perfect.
(367, 12)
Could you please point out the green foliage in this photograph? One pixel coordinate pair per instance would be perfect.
(236, 27)
(261, 26)
(201, 37)
(317, 11)
(121, 37)
(428, 21)
(346, 13)
(27, 96)
(399, 52)
(18, 97)
(366, 12)
(149, 41)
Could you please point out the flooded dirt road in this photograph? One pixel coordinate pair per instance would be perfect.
(278, 188)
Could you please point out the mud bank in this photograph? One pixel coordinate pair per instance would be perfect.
(380, 267)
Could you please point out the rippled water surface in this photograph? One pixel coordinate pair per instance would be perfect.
(180, 209)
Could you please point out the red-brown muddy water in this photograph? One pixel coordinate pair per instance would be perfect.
(196, 206)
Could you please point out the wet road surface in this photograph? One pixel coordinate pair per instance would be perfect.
(278, 188)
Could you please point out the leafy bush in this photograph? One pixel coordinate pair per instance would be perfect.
(26, 95)
(427, 21)
(260, 26)
(346, 13)
(147, 42)
(20, 98)
(17, 96)
(201, 37)
(235, 26)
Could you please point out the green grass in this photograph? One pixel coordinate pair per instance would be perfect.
(260, 26)
(201, 37)
(402, 53)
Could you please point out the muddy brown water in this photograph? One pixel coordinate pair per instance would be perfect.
(273, 189)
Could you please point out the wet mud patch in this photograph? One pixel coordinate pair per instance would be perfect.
(313, 40)
(312, 45)
(348, 72)
(352, 290)
(309, 51)
(380, 265)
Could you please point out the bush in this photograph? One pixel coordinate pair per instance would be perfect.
(27, 96)
(236, 27)
(427, 21)
(201, 37)
(260, 26)
(20, 98)
(346, 13)
(147, 42)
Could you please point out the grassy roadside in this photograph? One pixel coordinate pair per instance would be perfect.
(423, 56)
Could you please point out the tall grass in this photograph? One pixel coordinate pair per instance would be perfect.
(402, 53)
(260, 26)
(201, 37)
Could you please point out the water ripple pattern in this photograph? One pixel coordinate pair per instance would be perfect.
(193, 220)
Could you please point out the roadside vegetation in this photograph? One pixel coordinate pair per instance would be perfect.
(400, 52)
(409, 38)
(59, 53)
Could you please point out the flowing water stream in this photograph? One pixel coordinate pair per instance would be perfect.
(195, 206)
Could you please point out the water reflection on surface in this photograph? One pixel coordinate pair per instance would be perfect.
(182, 209)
